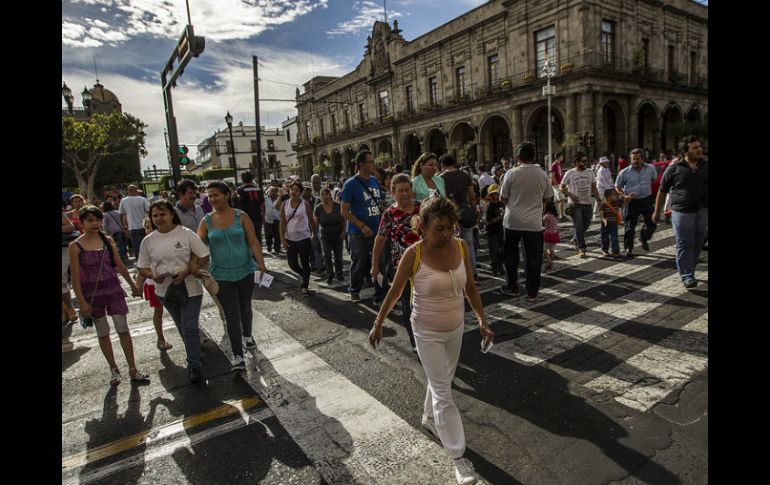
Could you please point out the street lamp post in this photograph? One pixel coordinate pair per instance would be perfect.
(548, 92)
(229, 121)
(66, 92)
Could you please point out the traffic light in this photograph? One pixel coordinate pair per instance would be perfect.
(197, 44)
(183, 158)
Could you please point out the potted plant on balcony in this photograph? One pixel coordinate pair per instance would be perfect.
(527, 77)
(506, 84)
(566, 67)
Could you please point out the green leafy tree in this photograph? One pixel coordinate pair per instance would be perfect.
(89, 146)
(217, 173)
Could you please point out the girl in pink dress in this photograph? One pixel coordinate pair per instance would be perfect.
(550, 233)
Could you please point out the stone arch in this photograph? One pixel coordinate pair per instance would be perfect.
(537, 131)
(336, 164)
(412, 150)
(384, 146)
(495, 139)
(462, 143)
(614, 137)
(647, 122)
(364, 146)
(350, 160)
(672, 119)
(694, 115)
(435, 141)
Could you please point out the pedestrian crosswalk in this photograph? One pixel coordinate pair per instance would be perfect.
(625, 329)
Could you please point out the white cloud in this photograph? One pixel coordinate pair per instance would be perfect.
(199, 108)
(368, 13)
(215, 19)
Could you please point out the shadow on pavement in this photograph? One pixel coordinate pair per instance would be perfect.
(542, 397)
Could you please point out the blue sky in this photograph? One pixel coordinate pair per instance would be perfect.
(294, 40)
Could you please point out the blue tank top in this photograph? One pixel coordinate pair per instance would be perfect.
(231, 258)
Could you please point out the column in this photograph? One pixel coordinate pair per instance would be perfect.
(632, 122)
(569, 120)
(517, 136)
(601, 142)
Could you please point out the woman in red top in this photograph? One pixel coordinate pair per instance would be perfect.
(396, 225)
(76, 202)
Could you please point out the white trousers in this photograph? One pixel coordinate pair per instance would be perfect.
(439, 352)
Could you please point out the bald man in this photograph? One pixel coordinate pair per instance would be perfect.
(132, 210)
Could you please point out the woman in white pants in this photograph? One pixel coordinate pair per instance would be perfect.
(440, 269)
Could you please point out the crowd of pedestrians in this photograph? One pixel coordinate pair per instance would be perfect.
(413, 239)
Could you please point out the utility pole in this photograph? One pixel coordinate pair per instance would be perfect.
(259, 130)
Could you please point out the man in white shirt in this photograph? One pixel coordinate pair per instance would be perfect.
(132, 210)
(485, 179)
(524, 191)
(578, 185)
(603, 182)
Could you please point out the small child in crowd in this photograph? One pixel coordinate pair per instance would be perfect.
(550, 233)
(149, 294)
(494, 227)
(611, 219)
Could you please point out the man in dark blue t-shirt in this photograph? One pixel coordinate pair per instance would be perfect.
(360, 199)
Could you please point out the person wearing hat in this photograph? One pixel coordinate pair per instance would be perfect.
(603, 182)
(494, 216)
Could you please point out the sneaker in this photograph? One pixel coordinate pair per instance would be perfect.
(629, 253)
(195, 376)
(464, 472)
(508, 291)
(427, 423)
(582, 254)
(574, 243)
(238, 363)
(646, 246)
(616, 255)
(690, 283)
(605, 253)
(355, 297)
(249, 343)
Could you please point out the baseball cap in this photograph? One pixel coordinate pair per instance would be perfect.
(604, 160)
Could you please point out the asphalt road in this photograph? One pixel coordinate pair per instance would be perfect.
(603, 380)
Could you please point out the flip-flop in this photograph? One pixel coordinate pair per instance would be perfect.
(114, 377)
(165, 346)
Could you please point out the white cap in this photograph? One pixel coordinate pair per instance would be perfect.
(604, 160)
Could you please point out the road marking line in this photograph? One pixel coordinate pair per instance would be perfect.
(558, 337)
(238, 406)
(567, 288)
(346, 432)
(155, 450)
(646, 378)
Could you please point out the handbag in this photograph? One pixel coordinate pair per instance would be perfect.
(88, 321)
(467, 216)
(177, 294)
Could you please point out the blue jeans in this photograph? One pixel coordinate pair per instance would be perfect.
(467, 236)
(610, 234)
(533, 258)
(361, 263)
(120, 240)
(235, 297)
(186, 319)
(690, 232)
(581, 221)
(639, 207)
(136, 236)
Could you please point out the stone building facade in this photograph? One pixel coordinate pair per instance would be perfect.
(625, 71)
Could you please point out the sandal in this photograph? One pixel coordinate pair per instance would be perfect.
(164, 346)
(115, 377)
(137, 376)
(74, 316)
